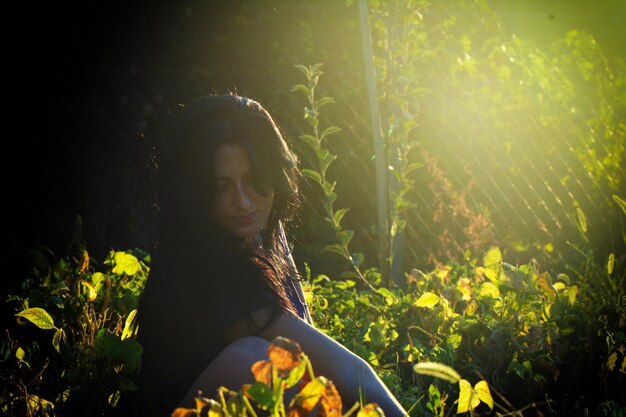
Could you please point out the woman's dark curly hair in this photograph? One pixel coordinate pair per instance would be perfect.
(187, 164)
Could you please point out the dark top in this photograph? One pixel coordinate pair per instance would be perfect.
(178, 345)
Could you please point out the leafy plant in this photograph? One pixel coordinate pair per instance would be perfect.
(71, 348)
(324, 158)
(539, 340)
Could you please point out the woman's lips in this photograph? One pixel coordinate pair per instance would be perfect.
(246, 219)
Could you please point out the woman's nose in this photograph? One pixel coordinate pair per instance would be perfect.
(243, 198)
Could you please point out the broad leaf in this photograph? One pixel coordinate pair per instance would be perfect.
(427, 300)
(126, 263)
(38, 316)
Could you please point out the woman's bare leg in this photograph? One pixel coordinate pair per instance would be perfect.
(230, 368)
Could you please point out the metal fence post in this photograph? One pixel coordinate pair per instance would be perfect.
(380, 156)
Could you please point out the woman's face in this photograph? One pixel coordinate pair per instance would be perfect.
(238, 208)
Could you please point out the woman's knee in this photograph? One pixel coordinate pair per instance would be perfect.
(246, 349)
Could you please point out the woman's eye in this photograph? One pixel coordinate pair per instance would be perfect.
(222, 186)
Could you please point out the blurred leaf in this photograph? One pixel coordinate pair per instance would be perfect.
(305, 70)
(262, 395)
(314, 175)
(312, 141)
(582, 219)
(611, 263)
(492, 261)
(59, 334)
(337, 248)
(295, 375)
(91, 291)
(108, 346)
(572, 293)
(370, 410)
(131, 352)
(309, 396)
(338, 215)
(184, 412)
(489, 289)
(428, 300)
(438, 370)
(620, 202)
(328, 131)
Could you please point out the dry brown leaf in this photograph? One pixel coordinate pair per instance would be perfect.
(184, 412)
(262, 371)
(284, 354)
(330, 401)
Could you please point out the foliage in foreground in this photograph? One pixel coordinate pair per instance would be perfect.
(548, 342)
(70, 347)
(551, 342)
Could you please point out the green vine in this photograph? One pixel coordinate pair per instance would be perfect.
(324, 158)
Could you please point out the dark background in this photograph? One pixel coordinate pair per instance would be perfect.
(89, 88)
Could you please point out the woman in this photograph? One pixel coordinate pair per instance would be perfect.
(222, 283)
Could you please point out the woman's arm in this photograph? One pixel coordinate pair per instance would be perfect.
(352, 376)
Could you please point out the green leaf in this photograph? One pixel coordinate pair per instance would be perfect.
(390, 298)
(301, 87)
(611, 263)
(108, 346)
(582, 219)
(489, 289)
(336, 248)
(427, 300)
(131, 352)
(38, 316)
(91, 290)
(326, 161)
(262, 395)
(126, 263)
(295, 375)
(572, 293)
(357, 258)
(304, 70)
(329, 131)
(316, 68)
(59, 334)
(314, 175)
(130, 327)
(329, 187)
(323, 101)
(310, 395)
(493, 264)
(312, 141)
(345, 236)
(338, 215)
(412, 167)
(97, 280)
(437, 370)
